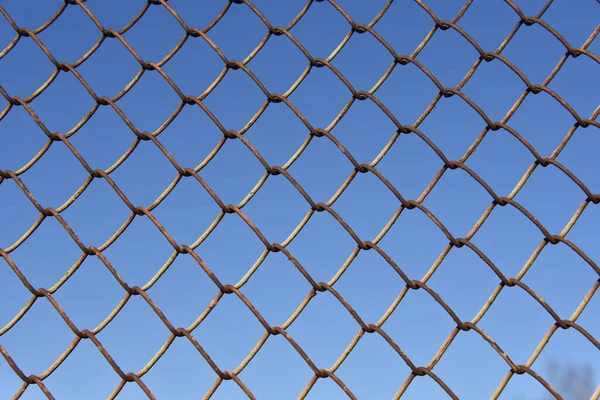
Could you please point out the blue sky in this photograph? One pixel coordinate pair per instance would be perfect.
(470, 367)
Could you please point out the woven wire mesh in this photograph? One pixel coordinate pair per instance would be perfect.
(188, 33)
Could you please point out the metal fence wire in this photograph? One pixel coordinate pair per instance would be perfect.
(314, 133)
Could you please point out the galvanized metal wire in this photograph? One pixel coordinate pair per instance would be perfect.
(188, 32)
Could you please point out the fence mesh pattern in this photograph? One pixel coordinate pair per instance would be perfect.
(355, 167)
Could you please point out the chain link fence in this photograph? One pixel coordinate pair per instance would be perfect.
(522, 21)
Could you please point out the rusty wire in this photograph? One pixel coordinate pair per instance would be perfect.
(314, 133)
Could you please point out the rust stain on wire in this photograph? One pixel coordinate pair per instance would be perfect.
(313, 205)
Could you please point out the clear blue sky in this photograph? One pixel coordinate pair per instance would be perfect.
(419, 325)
